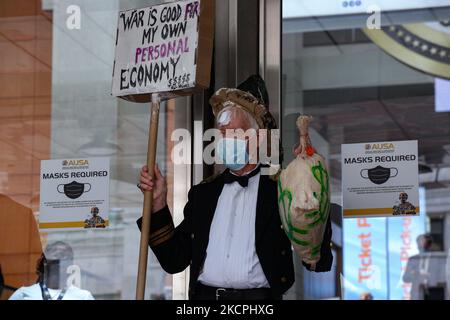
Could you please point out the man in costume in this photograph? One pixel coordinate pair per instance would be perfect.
(231, 236)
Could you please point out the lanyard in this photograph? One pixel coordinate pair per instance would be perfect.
(46, 293)
(424, 263)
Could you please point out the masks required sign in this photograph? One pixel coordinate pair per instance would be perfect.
(380, 179)
(74, 194)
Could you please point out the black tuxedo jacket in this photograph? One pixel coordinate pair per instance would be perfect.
(177, 248)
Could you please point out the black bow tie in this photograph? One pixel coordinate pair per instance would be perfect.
(228, 177)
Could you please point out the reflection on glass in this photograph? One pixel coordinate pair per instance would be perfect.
(56, 103)
(357, 92)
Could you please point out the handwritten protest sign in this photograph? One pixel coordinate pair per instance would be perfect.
(157, 49)
(161, 52)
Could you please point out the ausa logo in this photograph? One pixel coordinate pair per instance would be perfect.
(75, 163)
(380, 146)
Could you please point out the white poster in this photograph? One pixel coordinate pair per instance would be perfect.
(74, 194)
(380, 179)
(156, 48)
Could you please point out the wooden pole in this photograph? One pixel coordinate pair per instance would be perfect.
(148, 199)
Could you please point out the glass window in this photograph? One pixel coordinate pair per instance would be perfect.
(55, 103)
(362, 86)
(437, 233)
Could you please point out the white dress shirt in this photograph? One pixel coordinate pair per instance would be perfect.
(231, 259)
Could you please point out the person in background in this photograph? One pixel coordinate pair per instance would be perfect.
(418, 267)
(53, 282)
(366, 296)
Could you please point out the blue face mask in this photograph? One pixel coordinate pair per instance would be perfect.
(233, 153)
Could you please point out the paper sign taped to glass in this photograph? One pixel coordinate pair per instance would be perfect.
(380, 179)
(74, 194)
(165, 49)
(304, 203)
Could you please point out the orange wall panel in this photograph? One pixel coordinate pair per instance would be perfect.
(25, 132)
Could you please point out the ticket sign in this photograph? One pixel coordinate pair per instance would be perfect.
(377, 252)
(365, 258)
(163, 49)
(380, 179)
(74, 194)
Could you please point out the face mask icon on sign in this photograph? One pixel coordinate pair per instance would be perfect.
(379, 174)
(74, 189)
